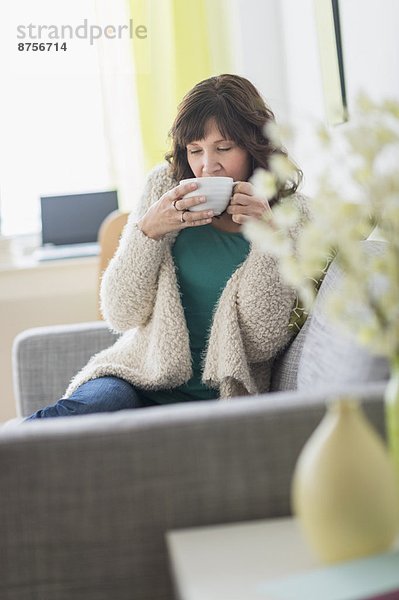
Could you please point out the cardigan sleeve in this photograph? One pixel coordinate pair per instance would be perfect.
(265, 302)
(264, 307)
(129, 284)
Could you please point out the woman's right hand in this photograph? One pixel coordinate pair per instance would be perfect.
(171, 213)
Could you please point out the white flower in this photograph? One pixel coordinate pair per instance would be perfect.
(266, 238)
(285, 215)
(265, 183)
(363, 141)
(364, 103)
(307, 295)
(390, 213)
(387, 162)
(278, 134)
(358, 189)
(283, 168)
(392, 107)
(362, 174)
(291, 271)
(323, 135)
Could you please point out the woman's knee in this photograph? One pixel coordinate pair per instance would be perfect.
(106, 394)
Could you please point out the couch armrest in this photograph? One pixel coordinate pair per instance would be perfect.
(46, 358)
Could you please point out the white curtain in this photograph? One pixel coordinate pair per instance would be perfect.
(121, 120)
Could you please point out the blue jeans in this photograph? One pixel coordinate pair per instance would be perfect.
(104, 394)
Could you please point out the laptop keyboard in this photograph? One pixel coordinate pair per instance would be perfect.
(67, 251)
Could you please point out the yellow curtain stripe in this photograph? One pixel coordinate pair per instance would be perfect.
(188, 40)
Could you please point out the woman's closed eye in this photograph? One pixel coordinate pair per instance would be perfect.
(219, 150)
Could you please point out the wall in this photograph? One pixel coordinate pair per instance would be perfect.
(279, 53)
(371, 47)
(259, 38)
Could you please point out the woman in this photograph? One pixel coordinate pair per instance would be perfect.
(202, 313)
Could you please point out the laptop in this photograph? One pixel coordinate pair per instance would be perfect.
(70, 224)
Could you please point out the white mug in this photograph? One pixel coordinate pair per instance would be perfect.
(217, 191)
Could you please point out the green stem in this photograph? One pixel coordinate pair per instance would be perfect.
(392, 413)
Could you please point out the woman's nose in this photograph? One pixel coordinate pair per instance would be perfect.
(210, 165)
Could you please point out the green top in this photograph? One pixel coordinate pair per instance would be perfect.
(205, 258)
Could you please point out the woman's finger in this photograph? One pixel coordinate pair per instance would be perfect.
(255, 208)
(244, 187)
(184, 203)
(242, 199)
(240, 219)
(191, 217)
(181, 190)
(239, 209)
(195, 222)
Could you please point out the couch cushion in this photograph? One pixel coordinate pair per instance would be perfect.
(329, 355)
(285, 367)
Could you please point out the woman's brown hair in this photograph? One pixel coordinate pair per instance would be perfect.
(240, 114)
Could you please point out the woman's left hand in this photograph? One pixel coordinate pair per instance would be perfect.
(246, 204)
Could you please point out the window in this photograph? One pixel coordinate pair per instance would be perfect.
(51, 115)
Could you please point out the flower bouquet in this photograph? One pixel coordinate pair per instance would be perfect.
(357, 195)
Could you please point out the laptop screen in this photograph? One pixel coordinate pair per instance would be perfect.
(76, 218)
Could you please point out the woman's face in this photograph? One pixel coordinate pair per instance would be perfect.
(215, 156)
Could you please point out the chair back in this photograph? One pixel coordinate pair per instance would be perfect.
(109, 235)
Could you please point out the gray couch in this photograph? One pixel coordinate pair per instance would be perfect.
(86, 501)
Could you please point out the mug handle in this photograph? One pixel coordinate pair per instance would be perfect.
(234, 184)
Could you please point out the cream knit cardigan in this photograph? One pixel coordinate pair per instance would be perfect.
(140, 299)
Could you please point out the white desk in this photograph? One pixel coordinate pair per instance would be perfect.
(227, 562)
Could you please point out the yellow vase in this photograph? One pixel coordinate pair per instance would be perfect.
(344, 489)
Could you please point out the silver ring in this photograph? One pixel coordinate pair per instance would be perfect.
(182, 213)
